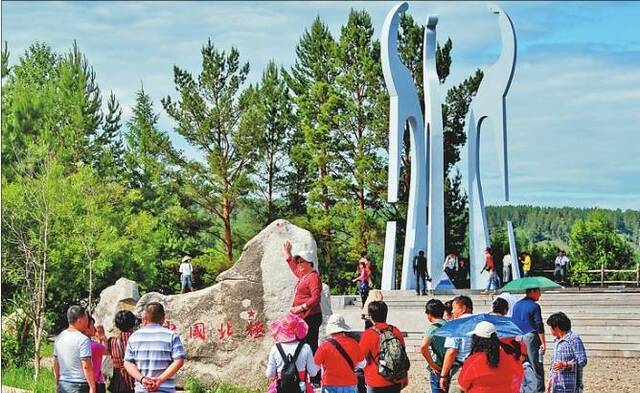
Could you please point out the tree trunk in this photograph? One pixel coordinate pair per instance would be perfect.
(363, 229)
(270, 212)
(37, 333)
(226, 218)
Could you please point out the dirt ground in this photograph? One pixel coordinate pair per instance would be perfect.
(602, 375)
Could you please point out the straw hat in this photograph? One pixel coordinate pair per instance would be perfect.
(186, 258)
(289, 327)
(375, 295)
(336, 324)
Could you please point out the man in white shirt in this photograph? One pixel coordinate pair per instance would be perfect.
(451, 267)
(186, 274)
(506, 268)
(562, 266)
(72, 367)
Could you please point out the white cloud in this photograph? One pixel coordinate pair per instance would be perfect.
(573, 118)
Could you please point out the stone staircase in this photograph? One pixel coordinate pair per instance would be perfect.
(607, 320)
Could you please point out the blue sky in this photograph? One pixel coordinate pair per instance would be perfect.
(573, 107)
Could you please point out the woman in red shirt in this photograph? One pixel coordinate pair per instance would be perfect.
(489, 369)
(338, 356)
(363, 276)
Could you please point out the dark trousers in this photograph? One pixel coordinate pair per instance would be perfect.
(314, 321)
(386, 389)
(421, 275)
(533, 347)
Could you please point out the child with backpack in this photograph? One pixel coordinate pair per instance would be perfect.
(384, 349)
(290, 362)
(339, 356)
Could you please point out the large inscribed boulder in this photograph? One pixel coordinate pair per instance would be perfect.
(225, 327)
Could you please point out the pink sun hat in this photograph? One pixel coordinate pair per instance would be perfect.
(289, 327)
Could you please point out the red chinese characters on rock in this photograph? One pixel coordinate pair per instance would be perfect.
(225, 330)
(255, 329)
(169, 325)
(197, 331)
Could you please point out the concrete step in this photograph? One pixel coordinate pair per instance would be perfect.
(607, 321)
(613, 341)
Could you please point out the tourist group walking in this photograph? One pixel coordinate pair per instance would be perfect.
(499, 350)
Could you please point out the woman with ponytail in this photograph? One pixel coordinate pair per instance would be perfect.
(492, 366)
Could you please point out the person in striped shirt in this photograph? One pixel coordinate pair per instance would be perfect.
(154, 354)
(569, 357)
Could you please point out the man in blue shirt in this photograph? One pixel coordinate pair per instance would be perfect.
(528, 316)
(457, 348)
(154, 354)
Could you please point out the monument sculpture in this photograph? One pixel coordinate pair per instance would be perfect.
(426, 190)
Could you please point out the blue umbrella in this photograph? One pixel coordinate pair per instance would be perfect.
(462, 327)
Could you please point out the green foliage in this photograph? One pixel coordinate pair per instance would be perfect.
(595, 243)
(22, 378)
(209, 115)
(16, 351)
(269, 111)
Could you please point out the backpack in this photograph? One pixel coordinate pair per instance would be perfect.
(289, 381)
(393, 362)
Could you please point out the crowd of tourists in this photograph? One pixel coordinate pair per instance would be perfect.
(146, 356)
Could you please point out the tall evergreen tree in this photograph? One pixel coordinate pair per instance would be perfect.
(312, 80)
(208, 115)
(274, 121)
(361, 132)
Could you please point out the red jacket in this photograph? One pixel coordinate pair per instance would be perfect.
(307, 291)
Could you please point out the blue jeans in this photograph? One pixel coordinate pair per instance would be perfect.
(434, 380)
(186, 281)
(72, 387)
(493, 279)
(339, 389)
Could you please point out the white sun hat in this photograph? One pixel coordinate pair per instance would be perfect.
(336, 324)
(484, 329)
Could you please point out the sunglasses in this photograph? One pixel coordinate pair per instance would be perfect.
(300, 260)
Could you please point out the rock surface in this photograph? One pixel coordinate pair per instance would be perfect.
(225, 327)
(123, 295)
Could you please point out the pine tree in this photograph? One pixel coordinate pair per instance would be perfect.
(208, 116)
(361, 133)
(144, 142)
(312, 80)
(274, 121)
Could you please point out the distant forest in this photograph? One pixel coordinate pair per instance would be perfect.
(537, 224)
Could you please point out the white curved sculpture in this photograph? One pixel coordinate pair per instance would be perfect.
(435, 146)
(427, 150)
(404, 107)
(489, 103)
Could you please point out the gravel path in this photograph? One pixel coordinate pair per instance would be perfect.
(602, 375)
